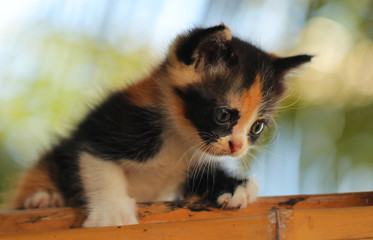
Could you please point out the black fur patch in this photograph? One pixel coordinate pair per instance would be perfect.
(251, 59)
(211, 184)
(118, 129)
(63, 167)
(200, 109)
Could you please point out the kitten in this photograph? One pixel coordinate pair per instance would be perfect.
(211, 97)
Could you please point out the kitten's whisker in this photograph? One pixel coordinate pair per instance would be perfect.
(186, 152)
(195, 168)
(289, 106)
(203, 165)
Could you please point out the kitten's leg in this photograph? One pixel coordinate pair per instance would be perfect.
(219, 187)
(37, 190)
(105, 188)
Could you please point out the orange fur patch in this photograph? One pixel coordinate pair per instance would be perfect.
(182, 75)
(228, 34)
(250, 101)
(178, 114)
(146, 92)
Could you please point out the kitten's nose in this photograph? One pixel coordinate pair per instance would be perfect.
(235, 146)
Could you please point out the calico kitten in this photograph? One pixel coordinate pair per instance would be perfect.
(211, 97)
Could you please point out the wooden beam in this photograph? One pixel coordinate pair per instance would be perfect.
(259, 226)
(156, 212)
(334, 223)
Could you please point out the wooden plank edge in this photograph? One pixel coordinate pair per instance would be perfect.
(258, 226)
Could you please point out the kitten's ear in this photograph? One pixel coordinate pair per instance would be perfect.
(205, 45)
(284, 65)
(281, 67)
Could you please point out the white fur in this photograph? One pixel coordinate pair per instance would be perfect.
(106, 190)
(244, 194)
(43, 199)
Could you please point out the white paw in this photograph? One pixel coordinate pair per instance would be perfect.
(243, 195)
(43, 199)
(96, 219)
(112, 216)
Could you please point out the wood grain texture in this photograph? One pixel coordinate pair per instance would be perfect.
(337, 223)
(37, 220)
(58, 219)
(255, 226)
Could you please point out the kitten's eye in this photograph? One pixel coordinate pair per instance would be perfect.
(222, 115)
(257, 127)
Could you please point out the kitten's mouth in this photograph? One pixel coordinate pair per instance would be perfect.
(227, 149)
(224, 153)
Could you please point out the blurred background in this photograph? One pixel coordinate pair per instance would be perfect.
(59, 57)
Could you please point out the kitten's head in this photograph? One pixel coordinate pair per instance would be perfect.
(222, 90)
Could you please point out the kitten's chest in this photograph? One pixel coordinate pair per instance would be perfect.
(159, 178)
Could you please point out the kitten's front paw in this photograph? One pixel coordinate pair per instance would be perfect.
(44, 199)
(98, 219)
(103, 219)
(242, 196)
(112, 215)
